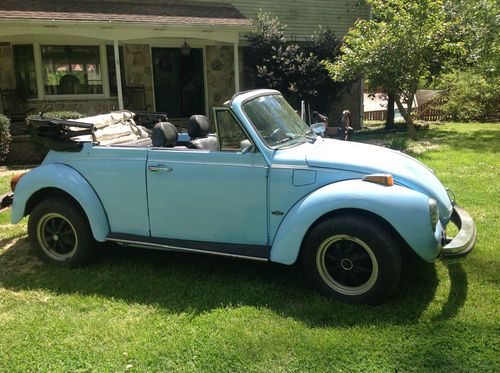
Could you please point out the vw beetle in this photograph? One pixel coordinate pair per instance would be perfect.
(263, 187)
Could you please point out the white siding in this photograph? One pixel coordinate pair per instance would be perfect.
(304, 16)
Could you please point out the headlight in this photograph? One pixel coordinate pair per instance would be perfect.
(434, 213)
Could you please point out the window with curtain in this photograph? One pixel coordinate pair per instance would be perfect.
(24, 65)
(71, 69)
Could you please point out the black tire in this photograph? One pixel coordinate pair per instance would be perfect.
(354, 259)
(59, 232)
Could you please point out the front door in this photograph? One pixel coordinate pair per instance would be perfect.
(178, 82)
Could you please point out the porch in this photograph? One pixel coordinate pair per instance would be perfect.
(181, 60)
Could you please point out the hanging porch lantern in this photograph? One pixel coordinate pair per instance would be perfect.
(185, 49)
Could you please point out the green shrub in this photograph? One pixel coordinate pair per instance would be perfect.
(40, 147)
(292, 68)
(57, 115)
(470, 96)
(4, 136)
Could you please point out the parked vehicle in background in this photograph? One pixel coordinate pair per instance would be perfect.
(263, 187)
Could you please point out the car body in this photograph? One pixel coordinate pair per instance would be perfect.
(269, 191)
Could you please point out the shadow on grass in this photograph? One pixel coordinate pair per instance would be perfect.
(6, 241)
(477, 140)
(195, 283)
(457, 295)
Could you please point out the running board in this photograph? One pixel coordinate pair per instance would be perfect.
(253, 252)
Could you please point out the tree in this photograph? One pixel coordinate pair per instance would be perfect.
(470, 96)
(295, 70)
(472, 86)
(475, 25)
(403, 43)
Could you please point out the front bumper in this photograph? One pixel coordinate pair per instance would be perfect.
(457, 248)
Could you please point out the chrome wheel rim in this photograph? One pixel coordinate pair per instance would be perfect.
(347, 264)
(57, 236)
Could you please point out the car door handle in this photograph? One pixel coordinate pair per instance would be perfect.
(160, 168)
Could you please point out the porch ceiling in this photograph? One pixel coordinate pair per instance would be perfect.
(164, 12)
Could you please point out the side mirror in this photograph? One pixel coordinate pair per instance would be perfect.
(319, 128)
(246, 146)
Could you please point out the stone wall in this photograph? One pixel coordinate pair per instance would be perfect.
(7, 74)
(138, 67)
(220, 75)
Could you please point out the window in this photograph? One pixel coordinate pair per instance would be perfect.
(276, 121)
(71, 70)
(24, 65)
(110, 55)
(231, 136)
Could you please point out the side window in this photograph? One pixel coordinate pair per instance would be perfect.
(231, 135)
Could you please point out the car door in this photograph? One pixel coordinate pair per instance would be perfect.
(211, 196)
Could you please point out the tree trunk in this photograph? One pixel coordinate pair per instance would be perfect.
(389, 121)
(406, 113)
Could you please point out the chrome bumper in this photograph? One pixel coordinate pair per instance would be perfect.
(457, 248)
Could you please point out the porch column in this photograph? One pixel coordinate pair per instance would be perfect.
(236, 65)
(118, 75)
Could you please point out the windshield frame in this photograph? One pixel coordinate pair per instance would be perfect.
(308, 134)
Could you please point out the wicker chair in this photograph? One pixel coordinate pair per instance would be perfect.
(14, 107)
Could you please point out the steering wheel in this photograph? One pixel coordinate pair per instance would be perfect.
(274, 133)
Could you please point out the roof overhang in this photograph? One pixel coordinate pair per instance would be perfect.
(146, 18)
(121, 30)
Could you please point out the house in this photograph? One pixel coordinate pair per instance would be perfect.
(178, 57)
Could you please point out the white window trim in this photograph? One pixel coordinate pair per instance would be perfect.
(40, 85)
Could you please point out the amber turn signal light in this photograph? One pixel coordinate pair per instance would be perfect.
(382, 179)
(15, 179)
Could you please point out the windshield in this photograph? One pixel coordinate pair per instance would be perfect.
(277, 123)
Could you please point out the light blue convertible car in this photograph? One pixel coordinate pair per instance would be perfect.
(263, 187)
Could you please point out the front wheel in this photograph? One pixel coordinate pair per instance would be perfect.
(353, 259)
(60, 233)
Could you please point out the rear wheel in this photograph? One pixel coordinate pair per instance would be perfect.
(60, 233)
(352, 258)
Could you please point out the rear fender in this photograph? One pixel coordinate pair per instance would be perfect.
(406, 210)
(68, 180)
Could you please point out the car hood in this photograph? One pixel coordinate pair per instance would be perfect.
(369, 159)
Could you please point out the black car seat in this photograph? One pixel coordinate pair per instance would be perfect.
(198, 129)
(165, 134)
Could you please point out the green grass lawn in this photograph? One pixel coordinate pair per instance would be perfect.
(141, 310)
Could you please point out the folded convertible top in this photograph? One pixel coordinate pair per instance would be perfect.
(57, 133)
(69, 135)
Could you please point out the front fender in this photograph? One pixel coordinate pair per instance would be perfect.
(405, 209)
(67, 179)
